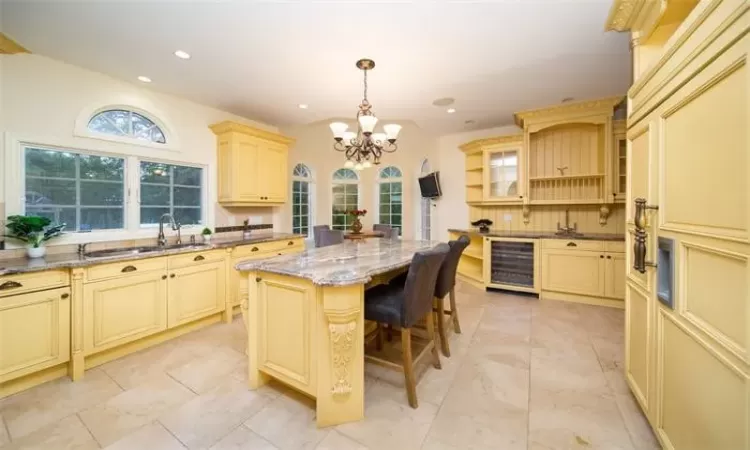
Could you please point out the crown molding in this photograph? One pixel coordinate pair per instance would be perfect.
(9, 47)
(586, 108)
(230, 126)
(478, 144)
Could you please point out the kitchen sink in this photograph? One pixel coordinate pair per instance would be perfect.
(130, 251)
(121, 252)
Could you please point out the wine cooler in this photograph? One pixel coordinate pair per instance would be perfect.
(512, 264)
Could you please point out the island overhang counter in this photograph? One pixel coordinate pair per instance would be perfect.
(304, 314)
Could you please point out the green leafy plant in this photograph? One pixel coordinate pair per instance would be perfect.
(33, 230)
(206, 232)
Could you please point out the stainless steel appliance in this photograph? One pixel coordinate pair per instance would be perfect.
(512, 264)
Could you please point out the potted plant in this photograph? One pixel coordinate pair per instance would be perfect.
(206, 233)
(34, 231)
(357, 225)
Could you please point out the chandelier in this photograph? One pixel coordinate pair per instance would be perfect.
(364, 145)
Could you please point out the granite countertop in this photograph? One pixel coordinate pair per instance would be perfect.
(69, 260)
(353, 262)
(542, 235)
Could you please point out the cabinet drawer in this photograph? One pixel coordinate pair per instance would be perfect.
(277, 246)
(35, 281)
(573, 244)
(195, 258)
(254, 249)
(614, 246)
(119, 269)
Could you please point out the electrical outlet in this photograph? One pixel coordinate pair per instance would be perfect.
(508, 217)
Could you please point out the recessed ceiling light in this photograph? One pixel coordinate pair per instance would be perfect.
(182, 55)
(144, 79)
(303, 106)
(451, 110)
(567, 99)
(445, 101)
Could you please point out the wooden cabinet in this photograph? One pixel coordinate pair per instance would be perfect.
(196, 291)
(583, 270)
(619, 161)
(34, 330)
(495, 170)
(123, 309)
(252, 165)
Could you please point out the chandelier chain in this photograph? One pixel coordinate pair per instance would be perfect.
(365, 85)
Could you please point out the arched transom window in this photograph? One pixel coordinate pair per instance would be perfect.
(127, 124)
(345, 198)
(301, 199)
(390, 197)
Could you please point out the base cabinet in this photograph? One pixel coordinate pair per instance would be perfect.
(121, 310)
(34, 332)
(574, 271)
(195, 292)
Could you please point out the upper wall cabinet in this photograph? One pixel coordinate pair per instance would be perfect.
(252, 165)
(569, 152)
(494, 170)
(620, 161)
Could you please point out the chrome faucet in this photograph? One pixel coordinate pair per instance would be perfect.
(567, 229)
(82, 249)
(175, 226)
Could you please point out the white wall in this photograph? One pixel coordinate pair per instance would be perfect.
(314, 148)
(452, 210)
(41, 99)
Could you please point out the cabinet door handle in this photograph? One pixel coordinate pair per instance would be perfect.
(572, 244)
(128, 269)
(172, 276)
(258, 280)
(163, 277)
(640, 235)
(254, 249)
(64, 296)
(601, 256)
(199, 258)
(10, 285)
(290, 243)
(609, 257)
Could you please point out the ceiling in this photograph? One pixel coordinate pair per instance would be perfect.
(262, 59)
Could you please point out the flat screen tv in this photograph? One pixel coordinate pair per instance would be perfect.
(429, 185)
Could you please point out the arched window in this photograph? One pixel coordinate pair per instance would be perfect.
(127, 124)
(424, 207)
(390, 197)
(345, 198)
(301, 199)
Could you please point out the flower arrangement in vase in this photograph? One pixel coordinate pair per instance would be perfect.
(356, 227)
(34, 231)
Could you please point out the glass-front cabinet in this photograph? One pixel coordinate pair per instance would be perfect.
(620, 161)
(502, 173)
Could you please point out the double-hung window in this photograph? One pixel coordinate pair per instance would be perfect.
(301, 199)
(390, 197)
(172, 189)
(345, 198)
(85, 192)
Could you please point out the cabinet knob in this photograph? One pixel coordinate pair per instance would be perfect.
(66, 295)
(572, 244)
(290, 243)
(172, 276)
(601, 256)
(609, 257)
(163, 277)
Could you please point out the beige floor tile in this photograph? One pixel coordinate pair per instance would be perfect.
(124, 413)
(554, 373)
(153, 437)
(4, 435)
(204, 420)
(337, 441)
(616, 381)
(390, 422)
(574, 419)
(243, 438)
(610, 352)
(202, 373)
(142, 366)
(46, 404)
(66, 434)
(288, 422)
(640, 431)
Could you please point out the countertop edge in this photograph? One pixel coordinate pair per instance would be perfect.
(542, 235)
(76, 262)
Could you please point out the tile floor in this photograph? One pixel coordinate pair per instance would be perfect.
(524, 374)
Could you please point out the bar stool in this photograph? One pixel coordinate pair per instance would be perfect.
(316, 233)
(403, 306)
(330, 237)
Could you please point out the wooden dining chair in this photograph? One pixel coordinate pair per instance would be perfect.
(404, 306)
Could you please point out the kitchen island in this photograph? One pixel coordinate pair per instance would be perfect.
(305, 319)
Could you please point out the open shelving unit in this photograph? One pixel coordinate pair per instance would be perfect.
(471, 264)
(474, 177)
